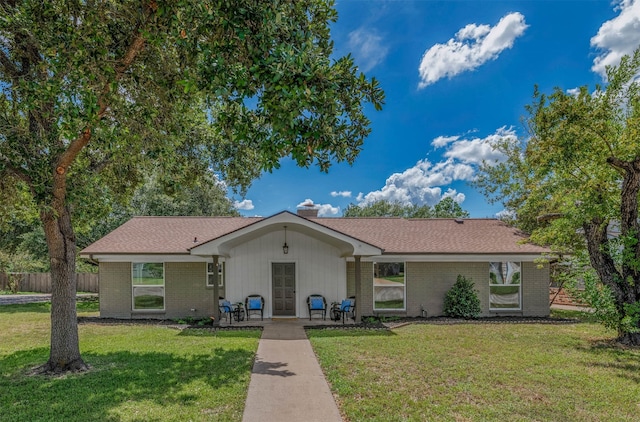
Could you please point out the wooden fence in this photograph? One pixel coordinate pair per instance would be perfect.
(41, 282)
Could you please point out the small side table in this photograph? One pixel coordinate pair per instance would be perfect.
(238, 312)
(335, 311)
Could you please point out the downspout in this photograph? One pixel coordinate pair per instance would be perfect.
(358, 289)
(216, 291)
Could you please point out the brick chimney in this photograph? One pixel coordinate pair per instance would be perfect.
(308, 210)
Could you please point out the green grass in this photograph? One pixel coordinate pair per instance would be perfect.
(395, 278)
(138, 373)
(389, 304)
(481, 372)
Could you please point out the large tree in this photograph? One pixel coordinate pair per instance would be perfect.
(574, 186)
(205, 196)
(92, 92)
(446, 208)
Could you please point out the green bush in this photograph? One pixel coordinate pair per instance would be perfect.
(462, 300)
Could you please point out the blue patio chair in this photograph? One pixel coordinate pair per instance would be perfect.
(225, 307)
(317, 304)
(347, 306)
(254, 304)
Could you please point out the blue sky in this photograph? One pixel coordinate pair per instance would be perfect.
(457, 75)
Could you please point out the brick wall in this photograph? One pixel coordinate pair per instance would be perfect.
(115, 289)
(185, 289)
(427, 284)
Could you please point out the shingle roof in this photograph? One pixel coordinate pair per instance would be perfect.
(176, 235)
(165, 235)
(435, 236)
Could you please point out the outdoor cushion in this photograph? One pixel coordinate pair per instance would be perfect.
(255, 303)
(317, 303)
(345, 305)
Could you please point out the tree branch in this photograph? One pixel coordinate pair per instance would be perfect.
(10, 169)
(9, 67)
(135, 48)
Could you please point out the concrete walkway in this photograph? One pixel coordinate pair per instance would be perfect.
(287, 383)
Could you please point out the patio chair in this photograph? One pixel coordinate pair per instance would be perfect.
(347, 307)
(317, 304)
(254, 304)
(225, 307)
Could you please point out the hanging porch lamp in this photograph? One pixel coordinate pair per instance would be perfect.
(285, 247)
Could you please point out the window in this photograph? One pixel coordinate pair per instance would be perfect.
(504, 286)
(388, 286)
(212, 274)
(147, 281)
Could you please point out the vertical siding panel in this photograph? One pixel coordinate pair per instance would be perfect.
(319, 268)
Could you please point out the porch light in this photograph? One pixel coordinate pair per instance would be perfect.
(285, 247)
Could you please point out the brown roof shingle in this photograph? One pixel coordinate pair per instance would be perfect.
(175, 235)
(434, 236)
(165, 235)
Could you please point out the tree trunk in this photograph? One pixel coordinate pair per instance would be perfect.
(629, 339)
(65, 348)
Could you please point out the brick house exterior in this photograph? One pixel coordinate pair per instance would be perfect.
(170, 267)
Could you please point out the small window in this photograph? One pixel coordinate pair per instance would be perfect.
(147, 282)
(212, 274)
(505, 286)
(388, 286)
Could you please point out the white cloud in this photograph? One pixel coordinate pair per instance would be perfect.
(367, 48)
(574, 92)
(472, 46)
(441, 141)
(245, 204)
(324, 210)
(506, 215)
(477, 150)
(424, 182)
(344, 194)
(617, 37)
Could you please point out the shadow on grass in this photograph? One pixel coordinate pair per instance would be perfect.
(611, 355)
(203, 332)
(37, 307)
(121, 379)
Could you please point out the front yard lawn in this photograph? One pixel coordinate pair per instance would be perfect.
(139, 372)
(481, 372)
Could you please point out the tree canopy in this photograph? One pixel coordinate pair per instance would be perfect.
(446, 208)
(94, 94)
(574, 186)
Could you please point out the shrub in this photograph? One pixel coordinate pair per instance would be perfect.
(462, 300)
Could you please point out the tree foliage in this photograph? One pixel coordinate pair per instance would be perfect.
(446, 208)
(94, 94)
(158, 197)
(574, 184)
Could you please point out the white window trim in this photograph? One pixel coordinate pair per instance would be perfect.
(519, 308)
(404, 290)
(164, 289)
(221, 273)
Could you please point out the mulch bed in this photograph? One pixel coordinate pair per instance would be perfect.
(169, 323)
(371, 324)
(388, 323)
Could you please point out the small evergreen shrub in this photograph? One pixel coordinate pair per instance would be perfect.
(462, 300)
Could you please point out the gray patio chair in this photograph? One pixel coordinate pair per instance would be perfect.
(225, 307)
